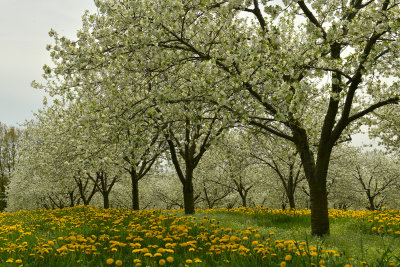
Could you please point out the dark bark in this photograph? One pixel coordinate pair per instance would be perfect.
(316, 173)
(188, 197)
(104, 186)
(72, 198)
(135, 193)
(242, 190)
(371, 203)
(138, 170)
(292, 203)
(243, 195)
(106, 201)
(191, 148)
(83, 186)
(185, 178)
(244, 200)
(319, 207)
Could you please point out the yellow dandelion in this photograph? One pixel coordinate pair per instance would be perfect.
(170, 259)
(110, 261)
(161, 262)
(288, 257)
(118, 262)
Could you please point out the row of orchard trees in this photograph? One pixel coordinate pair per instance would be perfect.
(177, 75)
(240, 170)
(8, 152)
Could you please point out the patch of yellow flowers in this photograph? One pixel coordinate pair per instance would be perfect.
(90, 236)
(382, 221)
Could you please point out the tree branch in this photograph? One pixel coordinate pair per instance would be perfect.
(271, 130)
(311, 17)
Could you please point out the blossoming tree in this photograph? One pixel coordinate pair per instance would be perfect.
(305, 71)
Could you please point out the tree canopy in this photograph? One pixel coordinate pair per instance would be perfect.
(304, 71)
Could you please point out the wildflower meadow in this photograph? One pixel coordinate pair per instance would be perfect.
(90, 236)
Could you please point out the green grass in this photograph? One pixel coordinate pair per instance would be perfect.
(241, 238)
(351, 237)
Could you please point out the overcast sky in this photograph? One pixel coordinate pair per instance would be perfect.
(24, 27)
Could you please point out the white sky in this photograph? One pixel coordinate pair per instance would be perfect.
(24, 27)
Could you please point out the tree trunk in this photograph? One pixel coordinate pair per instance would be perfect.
(290, 191)
(106, 200)
(244, 202)
(292, 203)
(243, 196)
(135, 193)
(71, 199)
(3, 198)
(371, 203)
(316, 173)
(188, 198)
(319, 208)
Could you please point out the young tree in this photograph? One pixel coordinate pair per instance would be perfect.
(141, 146)
(212, 194)
(282, 158)
(232, 166)
(37, 181)
(342, 189)
(188, 138)
(376, 174)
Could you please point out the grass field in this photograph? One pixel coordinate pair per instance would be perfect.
(86, 236)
